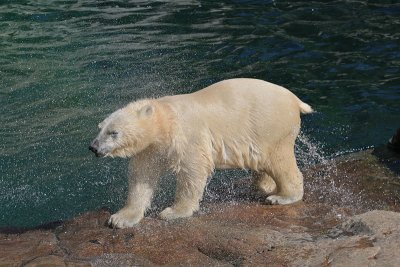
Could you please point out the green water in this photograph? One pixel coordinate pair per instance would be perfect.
(65, 65)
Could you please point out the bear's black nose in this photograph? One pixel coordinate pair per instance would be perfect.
(93, 149)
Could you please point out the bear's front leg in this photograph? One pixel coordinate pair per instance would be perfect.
(189, 191)
(144, 172)
(139, 200)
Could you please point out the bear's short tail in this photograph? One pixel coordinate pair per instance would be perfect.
(305, 108)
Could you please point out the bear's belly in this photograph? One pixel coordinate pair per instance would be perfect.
(233, 157)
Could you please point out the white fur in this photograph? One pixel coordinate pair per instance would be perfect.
(238, 123)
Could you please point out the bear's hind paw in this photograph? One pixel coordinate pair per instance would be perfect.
(172, 214)
(281, 200)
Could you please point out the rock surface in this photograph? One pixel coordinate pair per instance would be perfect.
(349, 217)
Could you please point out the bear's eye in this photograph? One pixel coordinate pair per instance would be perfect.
(113, 133)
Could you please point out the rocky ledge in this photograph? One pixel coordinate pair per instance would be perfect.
(349, 217)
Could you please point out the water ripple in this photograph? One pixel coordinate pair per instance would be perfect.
(64, 65)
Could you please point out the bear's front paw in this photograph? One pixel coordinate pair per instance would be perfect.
(173, 213)
(125, 218)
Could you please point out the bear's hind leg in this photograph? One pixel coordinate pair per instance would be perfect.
(287, 176)
(264, 183)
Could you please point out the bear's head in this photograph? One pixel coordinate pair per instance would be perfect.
(127, 131)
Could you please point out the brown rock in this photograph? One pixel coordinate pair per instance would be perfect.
(50, 260)
(18, 249)
(324, 230)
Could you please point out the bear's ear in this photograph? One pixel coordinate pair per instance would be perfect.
(101, 124)
(146, 111)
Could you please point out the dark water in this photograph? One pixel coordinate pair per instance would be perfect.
(64, 65)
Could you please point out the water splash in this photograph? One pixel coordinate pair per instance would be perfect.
(323, 181)
(229, 186)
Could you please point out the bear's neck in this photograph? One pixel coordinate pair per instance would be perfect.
(165, 121)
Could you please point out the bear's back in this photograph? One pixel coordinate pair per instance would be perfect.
(234, 96)
(238, 107)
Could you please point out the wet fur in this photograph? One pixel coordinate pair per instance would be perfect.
(238, 123)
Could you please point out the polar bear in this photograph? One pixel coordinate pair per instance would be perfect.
(237, 123)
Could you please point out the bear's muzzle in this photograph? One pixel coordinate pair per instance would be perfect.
(94, 147)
